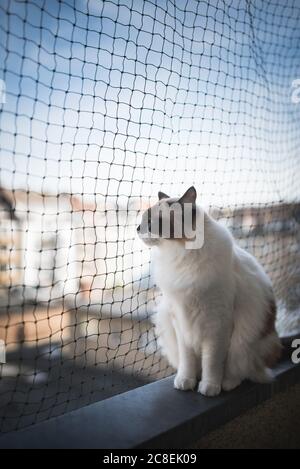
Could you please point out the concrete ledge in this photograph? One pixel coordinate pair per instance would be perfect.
(152, 416)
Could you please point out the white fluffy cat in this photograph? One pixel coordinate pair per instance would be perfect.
(216, 318)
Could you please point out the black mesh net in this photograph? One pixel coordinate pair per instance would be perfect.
(103, 103)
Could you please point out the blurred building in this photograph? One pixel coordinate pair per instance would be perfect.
(261, 220)
(68, 265)
(71, 249)
(10, 245)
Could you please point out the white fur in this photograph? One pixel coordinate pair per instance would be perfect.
(212, 312)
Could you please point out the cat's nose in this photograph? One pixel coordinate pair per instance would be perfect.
(138, 228)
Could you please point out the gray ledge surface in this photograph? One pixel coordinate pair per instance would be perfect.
(151, 416)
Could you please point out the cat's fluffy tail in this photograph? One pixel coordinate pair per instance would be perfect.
(269, 350)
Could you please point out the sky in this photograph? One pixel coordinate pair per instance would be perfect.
(123, 98)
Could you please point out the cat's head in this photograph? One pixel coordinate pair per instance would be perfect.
(171, 218)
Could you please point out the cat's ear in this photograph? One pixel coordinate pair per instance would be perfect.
(189, 197)
(162, 195)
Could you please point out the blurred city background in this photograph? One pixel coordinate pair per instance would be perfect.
(105, 104)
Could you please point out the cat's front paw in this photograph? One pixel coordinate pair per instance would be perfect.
(183, 383)
(209, 389)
